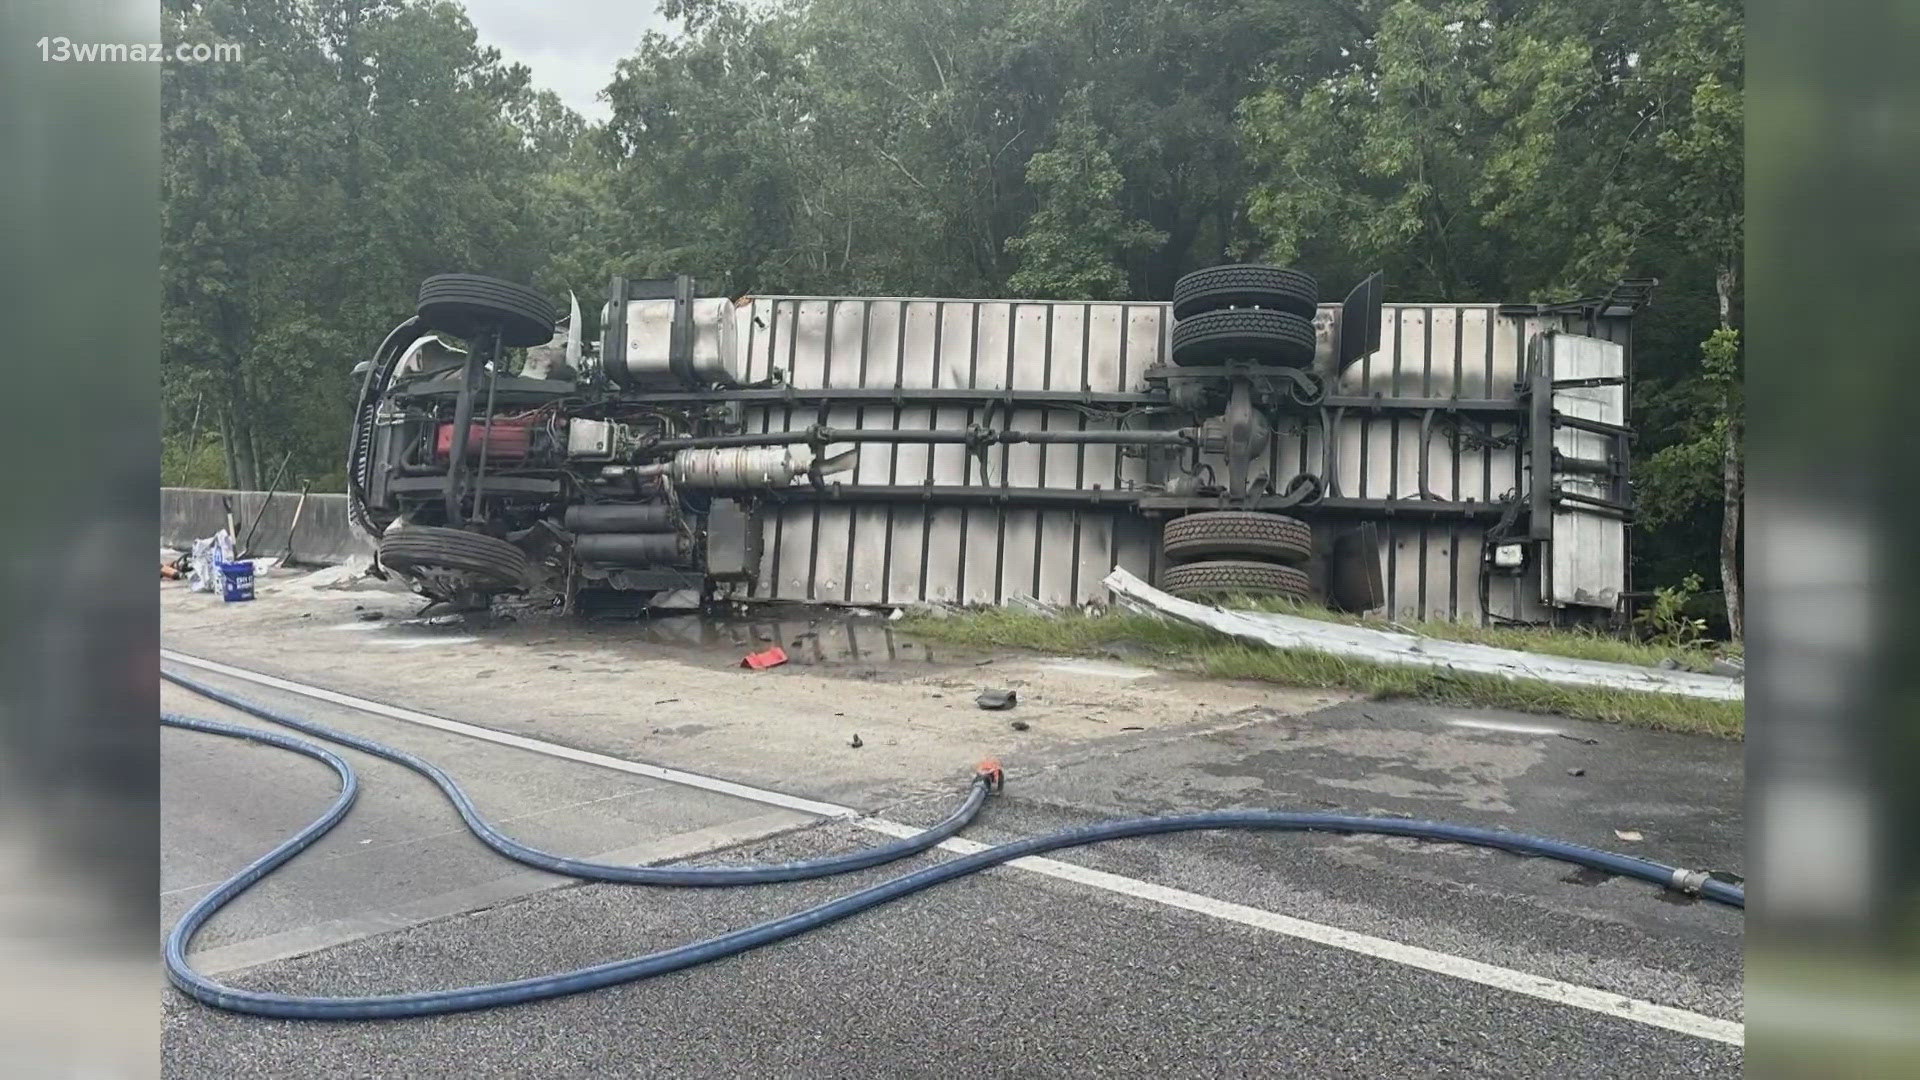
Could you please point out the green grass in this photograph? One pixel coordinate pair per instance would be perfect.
(1183, 646)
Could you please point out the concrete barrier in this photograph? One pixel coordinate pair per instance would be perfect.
(324, 535)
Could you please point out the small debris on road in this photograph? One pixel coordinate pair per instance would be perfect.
(1629, 835)
(1580, 739)
(1576, 772)
(1021, 725)
(371, 616)
(765, 658)
(855, 742)
(666, 700)
(997, 699)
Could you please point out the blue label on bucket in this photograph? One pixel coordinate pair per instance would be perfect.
(236, 580)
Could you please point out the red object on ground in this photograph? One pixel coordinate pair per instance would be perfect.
(508, 442)
(765, 658)
(990, 770)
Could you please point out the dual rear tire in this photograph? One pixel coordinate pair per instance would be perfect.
(1218, 553)
(1249, 312)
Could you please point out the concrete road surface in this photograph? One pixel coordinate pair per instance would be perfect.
(1208, 954)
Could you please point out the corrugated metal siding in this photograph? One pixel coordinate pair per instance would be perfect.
(901, 553)
(1587, 557)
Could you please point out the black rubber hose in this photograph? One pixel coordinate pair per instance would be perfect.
(541, 987)
(685, 876)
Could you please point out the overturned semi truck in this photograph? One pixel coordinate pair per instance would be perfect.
(1452, 461)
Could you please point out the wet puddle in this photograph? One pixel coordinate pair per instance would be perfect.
(807, 635)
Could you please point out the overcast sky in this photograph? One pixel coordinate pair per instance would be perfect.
(571, 45)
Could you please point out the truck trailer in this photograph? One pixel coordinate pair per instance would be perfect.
(1419, 461)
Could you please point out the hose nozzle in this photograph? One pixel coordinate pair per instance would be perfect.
(990, 771)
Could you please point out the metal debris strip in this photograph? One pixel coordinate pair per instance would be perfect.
(1383, 646)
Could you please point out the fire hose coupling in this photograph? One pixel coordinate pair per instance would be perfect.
(990, 771)
(1690, 882)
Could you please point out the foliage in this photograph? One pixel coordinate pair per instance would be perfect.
(1680, 479)
(1075, 242)
(307, 189)
(1665, 621)
(1376, 165)
(1475, 150)
(186, 463)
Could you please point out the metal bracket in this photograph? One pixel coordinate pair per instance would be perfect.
(1538, 391)
(1360, 321)
(680, 336)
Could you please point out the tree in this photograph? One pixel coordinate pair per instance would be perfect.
(1376, 165)
(359, 147)
(1481, 151)
(1705, 148)
(1485, 150)
(1075, 242)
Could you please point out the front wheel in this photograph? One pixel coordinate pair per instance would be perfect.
(453, 564)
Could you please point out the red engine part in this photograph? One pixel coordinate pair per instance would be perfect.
(509, 440)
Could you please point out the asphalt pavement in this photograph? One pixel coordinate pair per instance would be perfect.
(1195, 955)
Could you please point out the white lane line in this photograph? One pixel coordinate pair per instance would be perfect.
(368, 847)
(1459, 967)
(1519, 982)
(392, 712)
(311, 939)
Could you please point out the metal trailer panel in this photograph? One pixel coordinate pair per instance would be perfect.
(901, 552)
(1586, 559)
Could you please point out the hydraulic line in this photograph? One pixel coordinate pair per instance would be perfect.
(691, 876)
(537, 988)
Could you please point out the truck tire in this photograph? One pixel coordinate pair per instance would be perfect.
(432, 557)
(1238, 532)
(1245, 285)
(1232, 577)
(1280, 338)
(465, 305)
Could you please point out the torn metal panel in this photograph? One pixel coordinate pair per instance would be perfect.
(1387, 647)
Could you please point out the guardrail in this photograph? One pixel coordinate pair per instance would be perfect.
(323, 534)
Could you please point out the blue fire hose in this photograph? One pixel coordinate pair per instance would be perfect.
(538, 988)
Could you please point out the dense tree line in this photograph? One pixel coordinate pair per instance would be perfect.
(1473, 149)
